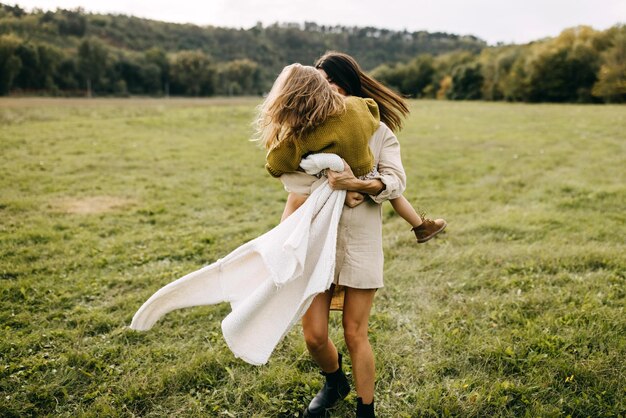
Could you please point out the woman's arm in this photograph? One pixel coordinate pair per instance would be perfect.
(299, 185)
(391, 180)
(347, 181)
(386, 149)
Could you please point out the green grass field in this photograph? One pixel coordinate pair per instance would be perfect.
(517, 311)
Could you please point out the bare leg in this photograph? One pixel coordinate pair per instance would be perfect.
(406, 211)
(294, 201)
(423, 228)
(356, 312)
(315, 327)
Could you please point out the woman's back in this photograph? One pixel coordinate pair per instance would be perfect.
(346, 134)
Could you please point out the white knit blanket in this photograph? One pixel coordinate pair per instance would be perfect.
(270, 281)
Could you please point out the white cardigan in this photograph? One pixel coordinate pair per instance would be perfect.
(270, 281)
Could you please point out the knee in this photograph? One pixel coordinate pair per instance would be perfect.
(315, 339)
(355, 337)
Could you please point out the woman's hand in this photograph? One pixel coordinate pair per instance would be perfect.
(347, 181)
(344, 180)
(353, 199)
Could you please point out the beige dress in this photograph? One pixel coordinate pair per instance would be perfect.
(359, 262)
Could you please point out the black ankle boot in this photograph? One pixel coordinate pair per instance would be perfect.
(335, 388)
(364, 411)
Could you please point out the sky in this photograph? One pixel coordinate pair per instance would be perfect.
(494, 21)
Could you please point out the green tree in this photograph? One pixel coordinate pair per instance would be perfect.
(514, 83)
(157, 57)
(389, 75)
(151, 78)
(411, 79)
(68, 75)
(443, 66)
(497, 64)
(192, 74)
(129, 69)
(28, 77)
(16, 10)
(564, 69)
(10, 63)
(92, 60)
(50, 58)
(611, 84)
(467, 81)
(39, 66)
(563, 75)
(417, 75)
(72, 22)
(239, 77)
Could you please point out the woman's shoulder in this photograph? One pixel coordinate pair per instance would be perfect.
(384, 131)
(383, 137)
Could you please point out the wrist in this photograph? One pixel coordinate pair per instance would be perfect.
(382, 187)
(370, 187)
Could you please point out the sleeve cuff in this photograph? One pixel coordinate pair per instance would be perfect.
(392, 189)
(272, 172)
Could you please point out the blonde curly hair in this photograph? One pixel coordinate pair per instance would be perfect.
(299, 100)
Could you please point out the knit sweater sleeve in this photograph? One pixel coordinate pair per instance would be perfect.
(373, 108)
(283, 158)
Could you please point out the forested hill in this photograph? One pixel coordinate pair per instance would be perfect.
(73, 52)
(133, 43)
(275, 45)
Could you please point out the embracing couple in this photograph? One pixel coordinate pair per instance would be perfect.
(334, 107)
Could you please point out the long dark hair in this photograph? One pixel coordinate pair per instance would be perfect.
(346, 73)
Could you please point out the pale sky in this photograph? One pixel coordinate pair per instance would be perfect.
(518, 21)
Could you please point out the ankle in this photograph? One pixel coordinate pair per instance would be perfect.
(327, 362)
(333, 376)
(359, 400)
(333, 370)
(417, 224)
(364, 410)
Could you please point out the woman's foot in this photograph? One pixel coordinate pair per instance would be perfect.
(428, 229)
(335, 389)
(364, 410)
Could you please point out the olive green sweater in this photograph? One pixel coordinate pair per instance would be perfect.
(346, 135)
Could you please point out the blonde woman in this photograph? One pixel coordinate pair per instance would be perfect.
(302, 115)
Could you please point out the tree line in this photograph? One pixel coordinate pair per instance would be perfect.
(72, 52)
(580, 65)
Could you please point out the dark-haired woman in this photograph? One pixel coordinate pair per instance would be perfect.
(359, 262)
(342, 71)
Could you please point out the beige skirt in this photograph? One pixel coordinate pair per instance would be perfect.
(359, 259)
